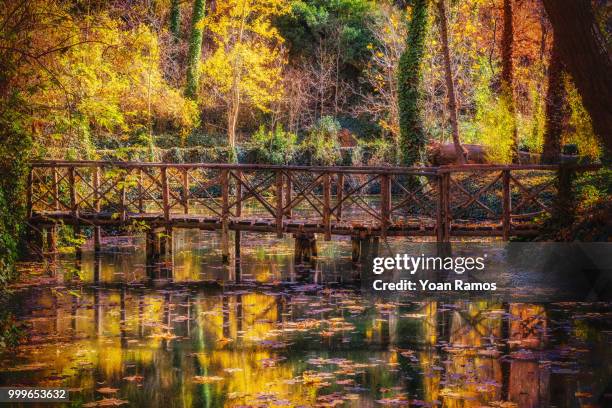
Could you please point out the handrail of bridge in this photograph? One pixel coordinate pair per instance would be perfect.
(501, 193)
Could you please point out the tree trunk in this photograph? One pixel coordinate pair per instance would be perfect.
(450, 86)
(555, 101)
(507, 76)
(195, 49)
(587, 58)
(175, 20)
(412, 137)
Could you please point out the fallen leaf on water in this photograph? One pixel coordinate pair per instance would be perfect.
(106, 402)
(132, 378)
(205, 379)
(107, 390)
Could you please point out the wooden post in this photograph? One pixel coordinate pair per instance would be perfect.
(165, 193)
(97, 238)
(385, 204)
(140, 191)
(55, 189)
(288, 195)
(96, 187)
(355, 249)
(225, 216)
(339, 196)
(123, 205)
(72, 182)
(440, 210)
(447, 211)
(238, 233)
(29, 191)
(327, 206)
(238, 175)
(506, 205)
(279, 203)
(186, 190)
(52, 239)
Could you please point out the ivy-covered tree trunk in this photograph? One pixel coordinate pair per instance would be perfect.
(175, 19)
(507, 76)
(587, 58)
(412, 136)
(450, 85)
(555, 102)
(195, 49)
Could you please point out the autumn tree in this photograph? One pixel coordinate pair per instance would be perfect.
(450, 85)
(587, 58)
(555, 101)
(175, 19)
(245, 67)
(507, 74)
(195, 48)
(412, 136)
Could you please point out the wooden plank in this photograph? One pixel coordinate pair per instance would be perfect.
(288, 195)
(72, 184)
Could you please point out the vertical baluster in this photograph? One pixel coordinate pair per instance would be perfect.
(327, 206)
(140, 191)
(385, 204)
(165, 193)
(448, 216)
(123, 205)
(72, 183)
(339, 196)
(225, 215)
(186, 190)
(506, 205)
(56, 202)
(440, 209)
(288, 194)
(279, 203)
(238, 175)
(29, 191)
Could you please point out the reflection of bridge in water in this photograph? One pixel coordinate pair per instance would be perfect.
(365, 203)
(447, 352)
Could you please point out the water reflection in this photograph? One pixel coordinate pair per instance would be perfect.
(295, 336)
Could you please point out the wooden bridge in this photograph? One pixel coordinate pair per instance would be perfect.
(441, 202)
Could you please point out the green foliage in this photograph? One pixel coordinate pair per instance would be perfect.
(311, 21)
(322, 141)
(195, 48)
(580, 129)
(175, 19)
(15, 148)
(273, 146)
(493, 123)
(412, 136)
(379, 152)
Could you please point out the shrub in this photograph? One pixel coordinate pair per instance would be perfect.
(322, 141)
(273, 146)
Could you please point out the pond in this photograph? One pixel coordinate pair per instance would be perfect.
(265, 332)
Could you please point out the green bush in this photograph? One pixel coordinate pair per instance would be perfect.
(322, 141)
(272, 146)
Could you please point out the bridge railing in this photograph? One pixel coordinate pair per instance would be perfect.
(440, 201)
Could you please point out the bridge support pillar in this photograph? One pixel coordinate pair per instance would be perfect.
(305, 248)
(363, 248)
(51, 239)
(158, 244)
(97, 239)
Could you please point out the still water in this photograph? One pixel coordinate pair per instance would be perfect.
(264, 332)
